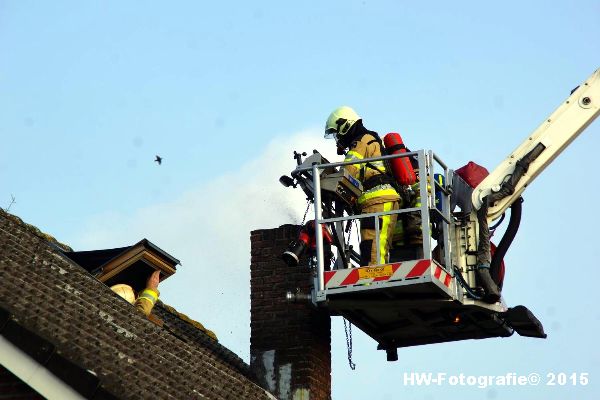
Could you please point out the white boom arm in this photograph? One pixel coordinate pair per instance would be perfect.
(555, 134)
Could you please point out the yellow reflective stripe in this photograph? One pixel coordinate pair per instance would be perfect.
(352, 156)
(379, 165)
(150, 292)
(415, 187)
(383, 234)
(150, 295)
(376, 193)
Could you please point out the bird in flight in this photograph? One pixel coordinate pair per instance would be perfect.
(158, 160)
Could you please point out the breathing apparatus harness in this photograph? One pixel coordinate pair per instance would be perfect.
(381, 178)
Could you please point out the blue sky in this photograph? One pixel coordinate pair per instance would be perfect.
(225, 91)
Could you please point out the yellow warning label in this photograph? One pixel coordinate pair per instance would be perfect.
(375, 272)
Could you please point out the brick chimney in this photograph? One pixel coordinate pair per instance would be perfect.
(290, 343)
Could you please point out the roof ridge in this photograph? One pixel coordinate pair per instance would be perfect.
(35, 230)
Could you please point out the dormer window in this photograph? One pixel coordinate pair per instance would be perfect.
(130, 265)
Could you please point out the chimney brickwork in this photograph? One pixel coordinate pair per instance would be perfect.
(290, 344)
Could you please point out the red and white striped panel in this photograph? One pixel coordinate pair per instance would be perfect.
(387, 272)
(396, 271)
(441, 275)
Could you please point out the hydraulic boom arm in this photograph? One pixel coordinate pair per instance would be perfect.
(505, 184)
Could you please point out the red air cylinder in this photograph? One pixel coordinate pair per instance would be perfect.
(472, 173)
(401, 167)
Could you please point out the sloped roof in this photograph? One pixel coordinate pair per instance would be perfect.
(85, 323)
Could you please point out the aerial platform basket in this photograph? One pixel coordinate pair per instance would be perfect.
(408, 302)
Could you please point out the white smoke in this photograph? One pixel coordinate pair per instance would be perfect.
(208, 229)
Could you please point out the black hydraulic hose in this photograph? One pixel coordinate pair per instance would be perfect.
(465, 285)
(497, 224)
(483, 247)
(506, 189)
(511, 231)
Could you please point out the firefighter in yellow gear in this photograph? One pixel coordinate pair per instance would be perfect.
(346, 127)
(407, 241)
(146, 299)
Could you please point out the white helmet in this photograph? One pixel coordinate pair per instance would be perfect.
(125, 291)
(339, 122)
